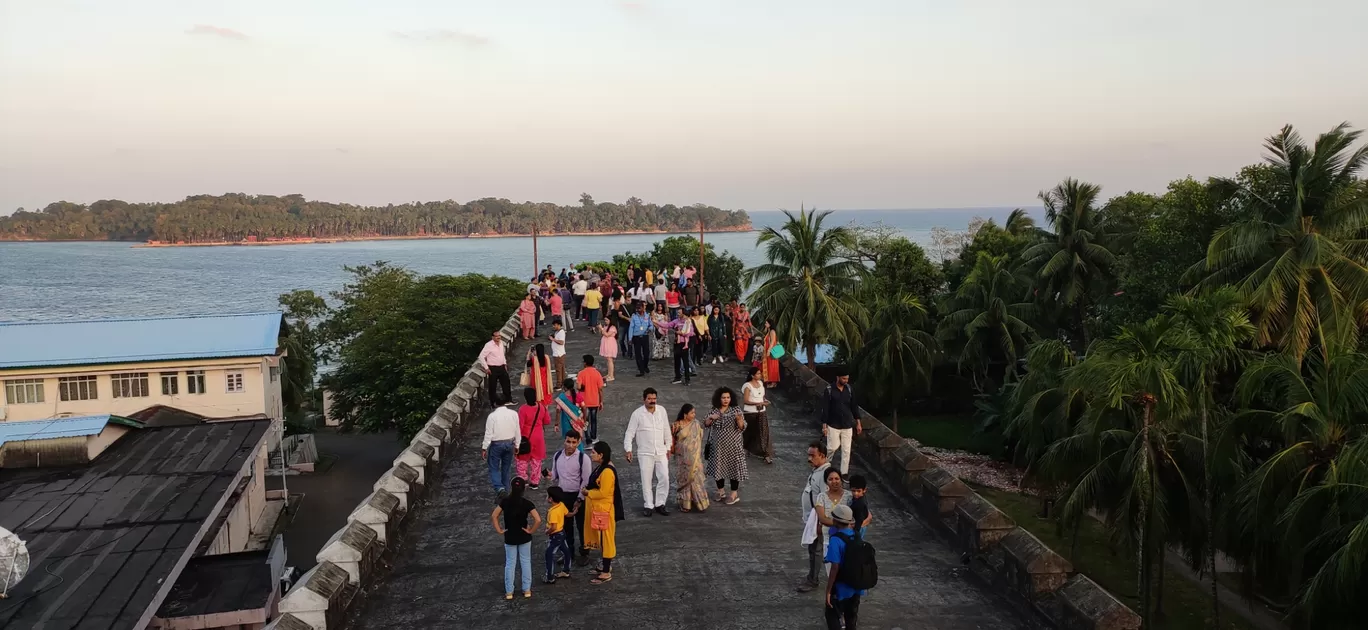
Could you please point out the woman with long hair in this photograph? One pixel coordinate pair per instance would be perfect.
(741, 332)
(539, 373)
(754, 406)
(604, 502)
(608, 345)
(527, 314)
(532, 421)
(688, 461)
(517, 532)
(728, 462)
(769, 366)
(661, 343)
(570, 410)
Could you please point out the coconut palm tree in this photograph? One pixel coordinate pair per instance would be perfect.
(1071, 265)
(1298, 257)
(984, 325)
(899, 353)
(1218, 326)
(1132, 443)
(805, 288)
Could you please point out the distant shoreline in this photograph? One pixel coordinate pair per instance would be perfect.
(349, 239)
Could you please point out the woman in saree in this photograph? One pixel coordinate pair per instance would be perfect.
(769, 366)
(568, 409)
(661, 343)
(604, 502)
(539, 373)
(690, 485)
(527, 314)
(741, 332)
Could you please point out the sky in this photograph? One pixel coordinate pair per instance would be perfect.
(753, 104)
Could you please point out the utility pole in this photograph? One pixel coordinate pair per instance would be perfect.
(536, 264)
(700, 255)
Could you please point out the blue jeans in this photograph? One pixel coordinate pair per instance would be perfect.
(557, 545)
(523, 553)
(500, 464)
(592, 426)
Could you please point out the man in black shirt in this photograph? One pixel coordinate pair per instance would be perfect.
(840, 419)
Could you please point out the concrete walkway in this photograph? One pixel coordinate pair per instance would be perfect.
(731, 567)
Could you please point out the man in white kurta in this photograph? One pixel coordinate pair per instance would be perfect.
(649, 429)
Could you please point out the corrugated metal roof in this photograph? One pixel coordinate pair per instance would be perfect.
(52, 429)
(35, 344)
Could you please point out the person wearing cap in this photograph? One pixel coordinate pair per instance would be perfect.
(842, 600)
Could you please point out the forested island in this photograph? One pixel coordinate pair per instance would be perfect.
(243, 218)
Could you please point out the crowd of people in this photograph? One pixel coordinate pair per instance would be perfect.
(701, 456)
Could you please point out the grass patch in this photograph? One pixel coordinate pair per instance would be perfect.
(1186, 605)
(958, 432)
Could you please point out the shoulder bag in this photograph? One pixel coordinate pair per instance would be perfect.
(525, 446)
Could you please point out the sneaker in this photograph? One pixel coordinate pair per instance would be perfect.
(548, 580)
(806, 586)
(533, 486)
(676, 382)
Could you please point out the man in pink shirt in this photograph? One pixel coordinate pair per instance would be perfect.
(557, 307)
(496, 365)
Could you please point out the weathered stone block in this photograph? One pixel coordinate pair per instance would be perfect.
(418, 457)
(941, 492)
(400, 481)
(435, 435)
(979, 525)
(319, 598)
(354, 548)
(288, 621)
(908, 465)
(1087, 606)
(867, 442)
(380, 512)
(1030, 568)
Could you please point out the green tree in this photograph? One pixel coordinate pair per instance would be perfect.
(899, 353)
(806, 288)
(1335, 513)
(403, 340)
(995, 241)
(984, 327)
(1298, 256)
(304, 311)
(1072, 266)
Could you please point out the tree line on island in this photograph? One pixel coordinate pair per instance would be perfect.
(237, 217)
(1186, 372)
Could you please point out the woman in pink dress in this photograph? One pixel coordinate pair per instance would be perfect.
(532, 420)
(608, 345)
(527, 313)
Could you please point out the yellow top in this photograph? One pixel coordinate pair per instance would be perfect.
(700, 324)
(650, 278)
(601, 498)
(592, 298)
(555, 518)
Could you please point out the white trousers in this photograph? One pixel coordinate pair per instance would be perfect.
(840, 438)
(654, 496)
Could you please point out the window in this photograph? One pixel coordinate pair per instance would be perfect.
(129, 384)
(24, 391)
(234, 381)
(77, 388)
(194, 381)
(275, 373)
(170, 383)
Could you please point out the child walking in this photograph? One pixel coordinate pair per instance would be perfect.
(517, 533)
(556, 512)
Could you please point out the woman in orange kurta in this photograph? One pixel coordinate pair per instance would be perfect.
(603, 499)
(769, 366)
(741, 332)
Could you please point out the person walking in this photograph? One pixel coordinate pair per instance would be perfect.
(755, 406)
(556, 529)
(590, 383)
(557, 339)
(570, 470)
(718, 332)
(840, 419)
(527, 314)
(672, 300)
(569, 410)
(608, 345)
(604, 501)
(682, 328)
(659, 291)
(842, 600)
(702, 335)
(622, 318)
(495, 363)
(689, 473)
(555, 304)
(813, 487)
(661, 343)
(517, 533)
(502, 436)
(538, 370)
(768, 364)
(567, 305)
(728, 462)
(741, 332)
(641, 330)
(593, 301)
(578, 289)
(649, 432)
(532, 421)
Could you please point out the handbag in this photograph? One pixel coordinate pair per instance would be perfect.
(525, 380)
(777, 352)
(525, 446)
(598, 521)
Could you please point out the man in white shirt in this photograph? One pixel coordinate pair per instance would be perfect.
(496, 366)
(578, 288)
(650, 429)
(502, 435)
(558, 349)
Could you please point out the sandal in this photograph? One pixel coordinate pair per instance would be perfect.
(769, 460)
(603, 578)
(734, 500)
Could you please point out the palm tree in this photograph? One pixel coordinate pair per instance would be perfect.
(805, 286)
(1298, 258)
(983, 323)
(1072, 264)
(899, 354)
(1337, 511)
(1135, 467)
(1218, 326)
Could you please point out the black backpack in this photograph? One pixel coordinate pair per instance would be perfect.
(858, 568)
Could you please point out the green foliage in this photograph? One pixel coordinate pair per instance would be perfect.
(1072, 266)
(236, 217)
(898, 353)
(402, 341)
(304, 311)
(722, 272)
(995, 241)
(985, 328)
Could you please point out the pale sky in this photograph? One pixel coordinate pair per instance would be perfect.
(750, 104)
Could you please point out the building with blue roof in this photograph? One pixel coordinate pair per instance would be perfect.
(217, 366)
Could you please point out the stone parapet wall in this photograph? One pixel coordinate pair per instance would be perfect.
(1007, 556)
(349, 560)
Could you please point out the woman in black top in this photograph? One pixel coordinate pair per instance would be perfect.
(517, 533)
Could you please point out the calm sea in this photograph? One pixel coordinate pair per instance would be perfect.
(43, 281)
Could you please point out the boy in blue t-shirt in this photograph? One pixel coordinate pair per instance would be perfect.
(841, 600)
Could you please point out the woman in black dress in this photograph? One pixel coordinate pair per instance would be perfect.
(728, 461)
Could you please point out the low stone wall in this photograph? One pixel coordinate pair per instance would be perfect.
(1007, 556)
(347, 562)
